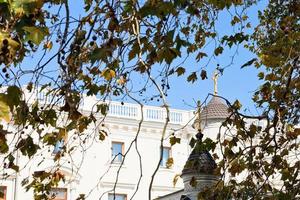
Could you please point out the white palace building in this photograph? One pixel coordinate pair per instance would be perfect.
(90, 169)
(91, 166)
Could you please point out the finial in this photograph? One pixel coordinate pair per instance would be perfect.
(199, 116)
(215, 79)
(199, 135)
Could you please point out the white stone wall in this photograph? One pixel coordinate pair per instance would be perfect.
(85, 165)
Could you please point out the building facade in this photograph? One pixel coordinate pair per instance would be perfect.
(97, 167)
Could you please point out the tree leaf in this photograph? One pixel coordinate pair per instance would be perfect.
(25, 7)
(36, 34)
(174, 140)
(218, 51)
(99, 54)
(201, 55)
(102, 135)
(169, 163)
(175, 179)
(192, 77)
(203, 74)
(108, 74)
(14, 95)
(4, 108)
(180, 71)
(250, 62)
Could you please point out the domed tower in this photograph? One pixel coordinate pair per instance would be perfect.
(213, 114)
(216, 110)
(198, 172)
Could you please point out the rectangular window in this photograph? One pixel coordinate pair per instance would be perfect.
(3, 190)
(117, 151)
(166, 155)
(58, 194)
(117, 197)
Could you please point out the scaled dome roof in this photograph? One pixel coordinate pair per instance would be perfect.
(215, 109)
(199, 162)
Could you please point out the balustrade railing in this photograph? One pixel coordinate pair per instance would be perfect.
(123, 110)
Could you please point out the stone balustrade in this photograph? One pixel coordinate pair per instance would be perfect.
(118, 109)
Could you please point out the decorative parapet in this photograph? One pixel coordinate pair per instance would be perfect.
(118, 109)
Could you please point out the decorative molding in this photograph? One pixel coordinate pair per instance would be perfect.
(119, 185)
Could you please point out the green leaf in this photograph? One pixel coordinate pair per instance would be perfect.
(21, 7)
(250, 62)
(15, 167)
(192, 77)
(27, 147)
(174, 140)
(103, 108)
(36, 34)
(261, 75)
(100, 54)
(14, 95)
(3, 142)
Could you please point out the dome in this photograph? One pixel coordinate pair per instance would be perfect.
(215, 109)
(199, 162)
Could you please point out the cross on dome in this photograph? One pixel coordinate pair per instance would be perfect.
(215, 79)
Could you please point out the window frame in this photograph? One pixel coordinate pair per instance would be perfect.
(162, 165)
(116, 194)
(60, 188)
(113, 157)
(5, 191)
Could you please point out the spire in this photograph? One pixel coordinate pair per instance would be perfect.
(215, 79)
(197, 123)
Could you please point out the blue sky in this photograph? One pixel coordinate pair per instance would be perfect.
(236, 83)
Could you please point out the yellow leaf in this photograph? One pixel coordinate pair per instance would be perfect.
(112, 73)
(170, 162)
(175, 179)
(4, 108)
(121, 80)
(63, 134)
(108, 74)
(12, 43)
